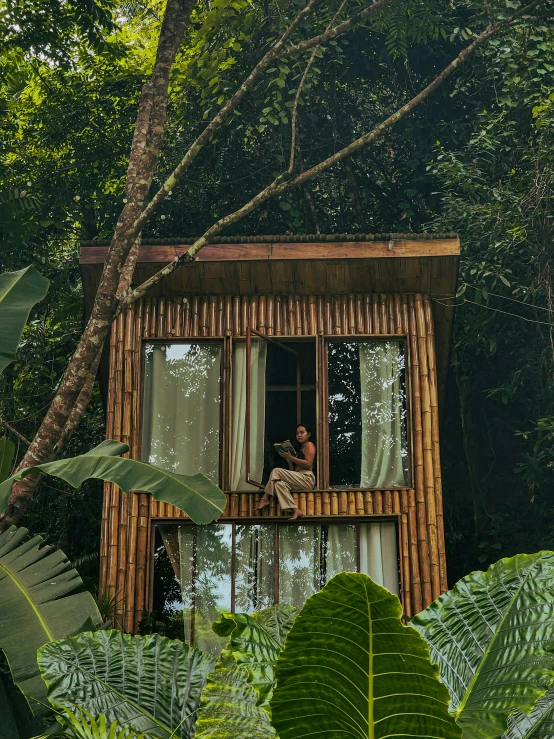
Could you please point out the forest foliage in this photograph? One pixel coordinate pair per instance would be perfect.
(474, 158)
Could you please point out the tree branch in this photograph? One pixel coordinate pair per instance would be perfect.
(279, 51)
(281, 184)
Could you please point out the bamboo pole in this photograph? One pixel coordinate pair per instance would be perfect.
(435, 442)
(422, 532)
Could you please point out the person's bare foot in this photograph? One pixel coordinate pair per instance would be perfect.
(264, 500)
(296, 515)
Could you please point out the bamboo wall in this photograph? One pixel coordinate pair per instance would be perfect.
(126, 532)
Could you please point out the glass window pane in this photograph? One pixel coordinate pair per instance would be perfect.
(379, 554)
(299, 563)
(339, 550)
(254, 567)
(367, 414)
(181, 408)
(205, 574)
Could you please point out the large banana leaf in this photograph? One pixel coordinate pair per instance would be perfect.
(7, 453)
(256, 642)
(19, 291)
(350, 668)
(146, 683)
(228, 705)
(36, 606)
(195, 494)
(492, 637)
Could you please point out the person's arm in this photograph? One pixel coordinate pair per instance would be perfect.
(309, 454)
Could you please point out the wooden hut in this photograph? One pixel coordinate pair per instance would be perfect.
(349, 334)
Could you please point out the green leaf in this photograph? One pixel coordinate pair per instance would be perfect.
(492, 638)
(146, 683)
(195, 494)
(7, 453)
(539, 724)
(81, 724)
(256, 642)
(19, 291)
(36, 606)
(229, 707)
(350, 668)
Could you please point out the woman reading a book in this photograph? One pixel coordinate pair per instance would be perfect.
(299, 475)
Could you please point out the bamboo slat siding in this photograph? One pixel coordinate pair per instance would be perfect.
(126, 533)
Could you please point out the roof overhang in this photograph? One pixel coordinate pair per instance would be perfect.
(303, 265)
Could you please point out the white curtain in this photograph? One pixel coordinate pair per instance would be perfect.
(254, 568)
(384, 448)
(379, 554)
(299, 563)
(257, 414)
(182, 408)
(341, 550)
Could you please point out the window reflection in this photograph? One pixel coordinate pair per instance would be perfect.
(181, 408)
(255, 568)
(367, 414)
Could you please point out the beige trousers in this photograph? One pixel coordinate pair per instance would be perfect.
(282, 481)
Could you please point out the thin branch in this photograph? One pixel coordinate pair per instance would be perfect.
(281, 183)
(15, 432)
(301, 87)
(279, 51)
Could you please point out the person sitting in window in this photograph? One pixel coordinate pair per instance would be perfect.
(299, 476)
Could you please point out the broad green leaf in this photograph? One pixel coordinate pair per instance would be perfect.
(145, 683)
(16, 719)
(19, 291)
(7, 453)
(350, 668)
(228, 706)
(492, 637)
(81, 724)
(194, 494)
(256, 642)
(36, 606)
(539, 724)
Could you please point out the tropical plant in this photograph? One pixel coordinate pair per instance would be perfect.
(195, 494)
(493, 640)
(83, 725)
(19, 292)
(38, 604)
(146, 683)
(256, 642)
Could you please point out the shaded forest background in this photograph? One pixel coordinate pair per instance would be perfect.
(475, 158)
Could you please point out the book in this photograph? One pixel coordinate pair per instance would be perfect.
(285, 446)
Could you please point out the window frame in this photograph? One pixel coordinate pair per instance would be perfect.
(223, 390)
(323, 429)
(276, 521)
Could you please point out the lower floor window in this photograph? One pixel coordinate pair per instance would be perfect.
(201, 571)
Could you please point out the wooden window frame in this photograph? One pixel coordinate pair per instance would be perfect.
(276, 523)
(323, 429)
(224, 392)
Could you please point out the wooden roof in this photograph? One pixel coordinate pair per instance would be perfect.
(303, 265)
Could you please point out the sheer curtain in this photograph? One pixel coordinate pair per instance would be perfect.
(384, 447)
(181, 408)
(257, 414)
(254, 568)
(379, 554)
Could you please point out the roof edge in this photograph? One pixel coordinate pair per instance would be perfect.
(286, 238)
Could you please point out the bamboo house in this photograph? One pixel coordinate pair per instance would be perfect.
(349, 335)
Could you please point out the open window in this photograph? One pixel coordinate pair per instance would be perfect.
(279, 392)
(201, 571)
